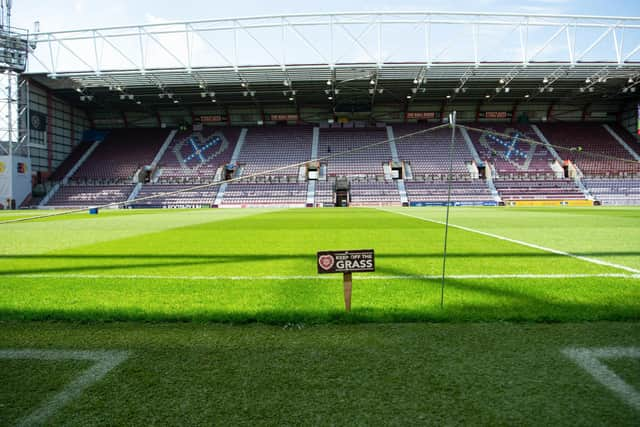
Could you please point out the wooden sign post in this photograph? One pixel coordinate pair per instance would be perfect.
(346, 262)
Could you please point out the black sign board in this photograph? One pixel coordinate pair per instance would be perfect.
(356, 261)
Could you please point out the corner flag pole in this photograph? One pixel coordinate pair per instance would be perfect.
(452, 124)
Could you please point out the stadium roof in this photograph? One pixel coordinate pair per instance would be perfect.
(360, 58)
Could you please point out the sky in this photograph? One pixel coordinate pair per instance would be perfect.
(75, 14)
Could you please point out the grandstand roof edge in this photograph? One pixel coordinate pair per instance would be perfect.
(346, 13)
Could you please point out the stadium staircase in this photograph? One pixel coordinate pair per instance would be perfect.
(493, 189)
(69, 174)
(163, 149)
(311, 187)
(396, 159)
(135, 192)
(621, 142)
(471, 147)
(217, 202)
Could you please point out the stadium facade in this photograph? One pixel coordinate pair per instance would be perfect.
(107, 115)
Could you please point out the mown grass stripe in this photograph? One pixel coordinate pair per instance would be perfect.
(523, 243)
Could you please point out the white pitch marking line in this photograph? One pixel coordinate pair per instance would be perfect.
(520, 242)
(589, 360)
(302, 277)
(105, 362)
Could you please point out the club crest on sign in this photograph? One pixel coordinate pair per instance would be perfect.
(326, 262)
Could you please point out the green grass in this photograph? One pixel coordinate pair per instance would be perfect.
(26, 384)
(373, 374)
(496, 358)
(177, 265)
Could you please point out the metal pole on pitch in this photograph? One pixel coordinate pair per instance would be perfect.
(452, 124)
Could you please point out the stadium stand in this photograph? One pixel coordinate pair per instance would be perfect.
(428, 152)
(473, 191)
(73, 195)
(270, 148)
(549, 189)
(367, 163)
(120, 155)
(265, 194)
(324, 193)
(513, 158)
(585, 144)
(195, 157)
(107, 175)
(185, 199)
(70, 161)
(522, 171)
(374, 193)
(614, 191)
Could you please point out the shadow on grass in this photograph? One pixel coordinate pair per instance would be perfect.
(277, 256)
(480, 300)
(46, 263)
(324, 315)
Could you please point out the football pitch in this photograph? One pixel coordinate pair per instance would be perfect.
(259, 265)
(132, 317)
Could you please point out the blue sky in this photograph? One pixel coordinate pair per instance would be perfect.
(70, 14)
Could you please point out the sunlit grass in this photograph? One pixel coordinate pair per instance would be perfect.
(259, 265)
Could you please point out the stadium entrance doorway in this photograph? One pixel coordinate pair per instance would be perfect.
(342, 192)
